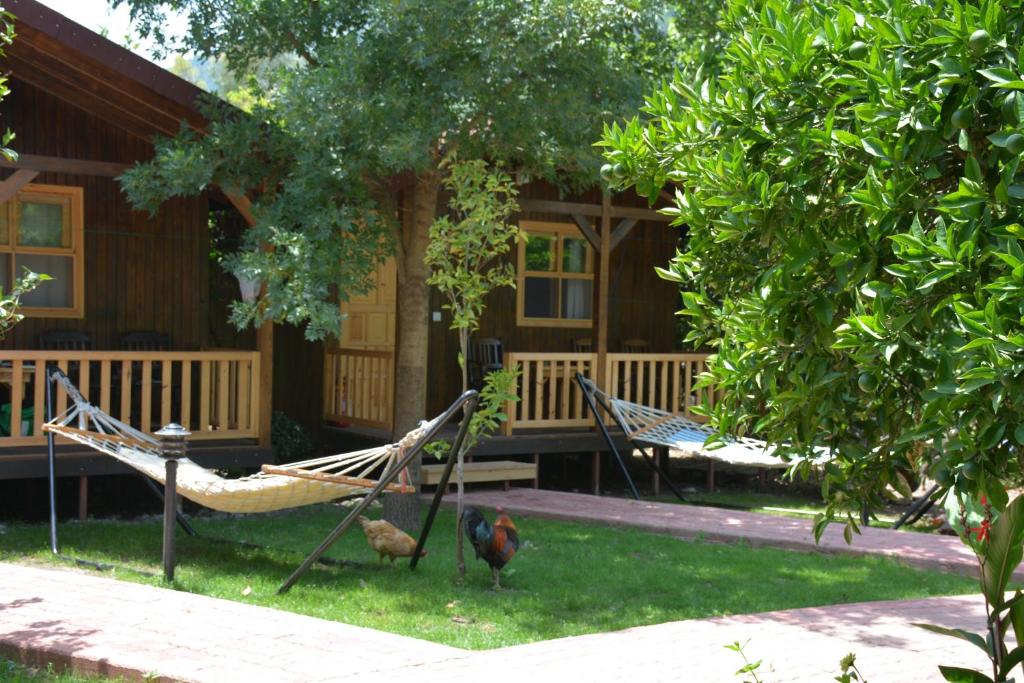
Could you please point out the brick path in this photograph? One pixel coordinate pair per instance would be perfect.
(928, 551)
(100, 624)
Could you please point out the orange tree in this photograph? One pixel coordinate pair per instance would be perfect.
(851, 185)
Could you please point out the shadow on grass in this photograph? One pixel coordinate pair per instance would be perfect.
(567, 579)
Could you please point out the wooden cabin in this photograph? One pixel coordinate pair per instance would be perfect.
(587, 300)
(136, 312)
(129, 313)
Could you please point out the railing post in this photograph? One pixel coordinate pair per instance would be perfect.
(173, 445)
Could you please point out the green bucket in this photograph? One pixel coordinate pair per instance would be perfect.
(28, 415)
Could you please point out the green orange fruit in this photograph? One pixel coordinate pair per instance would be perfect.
(858, 50)
(1015, 144)
(867, 382)
(979, 41)
(962, 118)
(971, 469)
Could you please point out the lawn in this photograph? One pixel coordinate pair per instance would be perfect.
(567, 579)
(12, 672)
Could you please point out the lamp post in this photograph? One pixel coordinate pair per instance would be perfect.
(173, 445)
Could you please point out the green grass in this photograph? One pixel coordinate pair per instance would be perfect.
(567, 579)
(12, 672)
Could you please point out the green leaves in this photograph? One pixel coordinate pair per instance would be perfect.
(352, 98)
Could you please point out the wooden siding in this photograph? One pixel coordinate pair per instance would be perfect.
(641, 305)
(142, 272)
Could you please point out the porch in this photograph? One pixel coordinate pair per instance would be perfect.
(214, 394)
(359, 387)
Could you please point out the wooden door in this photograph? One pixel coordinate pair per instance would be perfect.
(359, 371)
(369, 320)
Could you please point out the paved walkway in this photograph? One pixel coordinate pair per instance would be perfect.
(928, 551)
(118, 628)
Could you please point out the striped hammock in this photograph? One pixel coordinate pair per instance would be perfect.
(274, 488)
(662, 428)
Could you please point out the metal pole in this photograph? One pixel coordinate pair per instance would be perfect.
(155, 488)
(372, 495)
(917, 510)
(453, 455)
(606, 435)
(172, 446)
(51, 457)
(170, 498)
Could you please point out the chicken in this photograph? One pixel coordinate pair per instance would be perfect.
(388, 540)
(496, 544)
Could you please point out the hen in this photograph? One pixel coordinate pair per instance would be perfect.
(496, 544)
(387, 540)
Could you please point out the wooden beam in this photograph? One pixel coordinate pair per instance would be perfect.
(592, 210)
(569, 208)
(15, 182)
(242, 205)
(621, 230)
(587, 228)
(45, 164)
(640, 213)
(603, 276)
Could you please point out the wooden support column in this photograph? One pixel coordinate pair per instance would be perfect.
(603, 276)
(83, 498)
(265, 346)
(596, 473)
(264, 337)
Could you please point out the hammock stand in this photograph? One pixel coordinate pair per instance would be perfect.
(594, 397)
(306, 482)
(640, 423)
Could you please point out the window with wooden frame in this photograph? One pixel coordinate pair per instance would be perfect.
(555, 276)
(41, 230)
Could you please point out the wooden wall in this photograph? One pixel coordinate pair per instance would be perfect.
(641, 305)
(141, 272)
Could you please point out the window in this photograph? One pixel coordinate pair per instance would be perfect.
(555, 271)
(41, 229)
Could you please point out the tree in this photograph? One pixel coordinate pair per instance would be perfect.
(379, 93)
(851, 184)
(466, 264)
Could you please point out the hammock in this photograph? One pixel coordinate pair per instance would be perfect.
(275, 488)
(662, 428)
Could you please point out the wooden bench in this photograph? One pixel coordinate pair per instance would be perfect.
(483, 471)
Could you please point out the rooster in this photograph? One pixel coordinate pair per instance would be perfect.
(496, 544)
(387, 540)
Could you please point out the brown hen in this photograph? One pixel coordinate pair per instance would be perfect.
(388, 540)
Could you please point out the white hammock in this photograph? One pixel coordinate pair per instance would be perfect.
(275, 488)
(676, 432)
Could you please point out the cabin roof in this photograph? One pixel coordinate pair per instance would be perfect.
(71, 62)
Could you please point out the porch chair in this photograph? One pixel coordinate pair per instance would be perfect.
(635, 346)
(147, 340)
(69, 340)
(485, 356)
(583, 345)
(65, 340)
(144, 341)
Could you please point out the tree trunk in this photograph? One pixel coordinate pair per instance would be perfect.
(460, 560)
(403, 510)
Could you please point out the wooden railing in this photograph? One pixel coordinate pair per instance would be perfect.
(214, 394)
(666, 381)
(549, 397)
(359, 387)
(548, 393)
